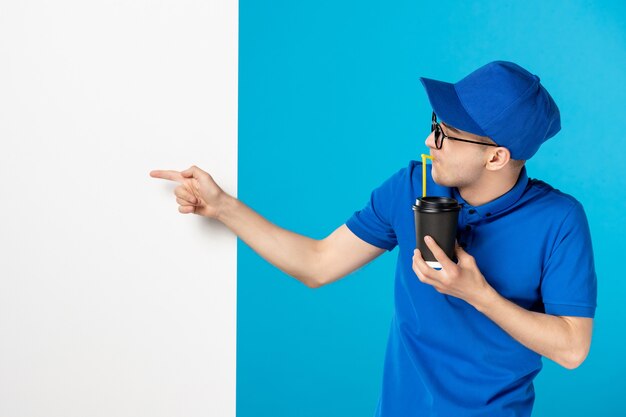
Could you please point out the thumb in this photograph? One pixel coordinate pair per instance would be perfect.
(191, 172)
(194, 173)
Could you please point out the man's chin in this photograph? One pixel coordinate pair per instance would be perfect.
(441, 181)
(436, 178)
(442, 184)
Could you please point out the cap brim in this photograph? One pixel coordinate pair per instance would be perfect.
(448, 107)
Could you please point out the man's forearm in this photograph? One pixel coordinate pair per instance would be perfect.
(550, 336)
(294, 254)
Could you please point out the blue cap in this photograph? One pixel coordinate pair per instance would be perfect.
(500, 100)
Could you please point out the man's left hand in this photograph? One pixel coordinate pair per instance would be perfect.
(462, 280)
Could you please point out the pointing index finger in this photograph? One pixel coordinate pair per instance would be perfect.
(167, 175)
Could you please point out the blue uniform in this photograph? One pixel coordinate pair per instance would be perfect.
(444, 358)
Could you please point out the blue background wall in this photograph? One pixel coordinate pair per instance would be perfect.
(330, 105)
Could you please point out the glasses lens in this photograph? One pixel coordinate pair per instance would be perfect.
(438, 136)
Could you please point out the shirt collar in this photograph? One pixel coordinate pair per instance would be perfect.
(499, 204)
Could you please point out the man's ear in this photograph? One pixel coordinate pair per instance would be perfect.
(498, 158)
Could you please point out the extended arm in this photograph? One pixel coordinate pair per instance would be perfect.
(314, 262)
(311, 261)
(294, 254)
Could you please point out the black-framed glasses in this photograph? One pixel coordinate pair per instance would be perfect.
(440, 135)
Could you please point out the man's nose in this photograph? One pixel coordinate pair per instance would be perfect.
(430, 140)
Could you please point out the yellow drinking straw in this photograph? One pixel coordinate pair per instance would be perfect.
(424, 156)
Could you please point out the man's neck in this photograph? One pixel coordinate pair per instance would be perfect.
(489, 187)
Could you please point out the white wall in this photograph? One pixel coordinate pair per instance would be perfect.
(112, 303)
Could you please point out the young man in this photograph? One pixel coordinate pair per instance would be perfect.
(466, 340)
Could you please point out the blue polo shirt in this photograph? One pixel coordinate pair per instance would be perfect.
(444, 358)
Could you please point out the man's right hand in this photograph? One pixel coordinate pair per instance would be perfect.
(197, 192)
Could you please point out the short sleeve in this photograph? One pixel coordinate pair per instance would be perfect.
(569, 281)
(374, 223)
